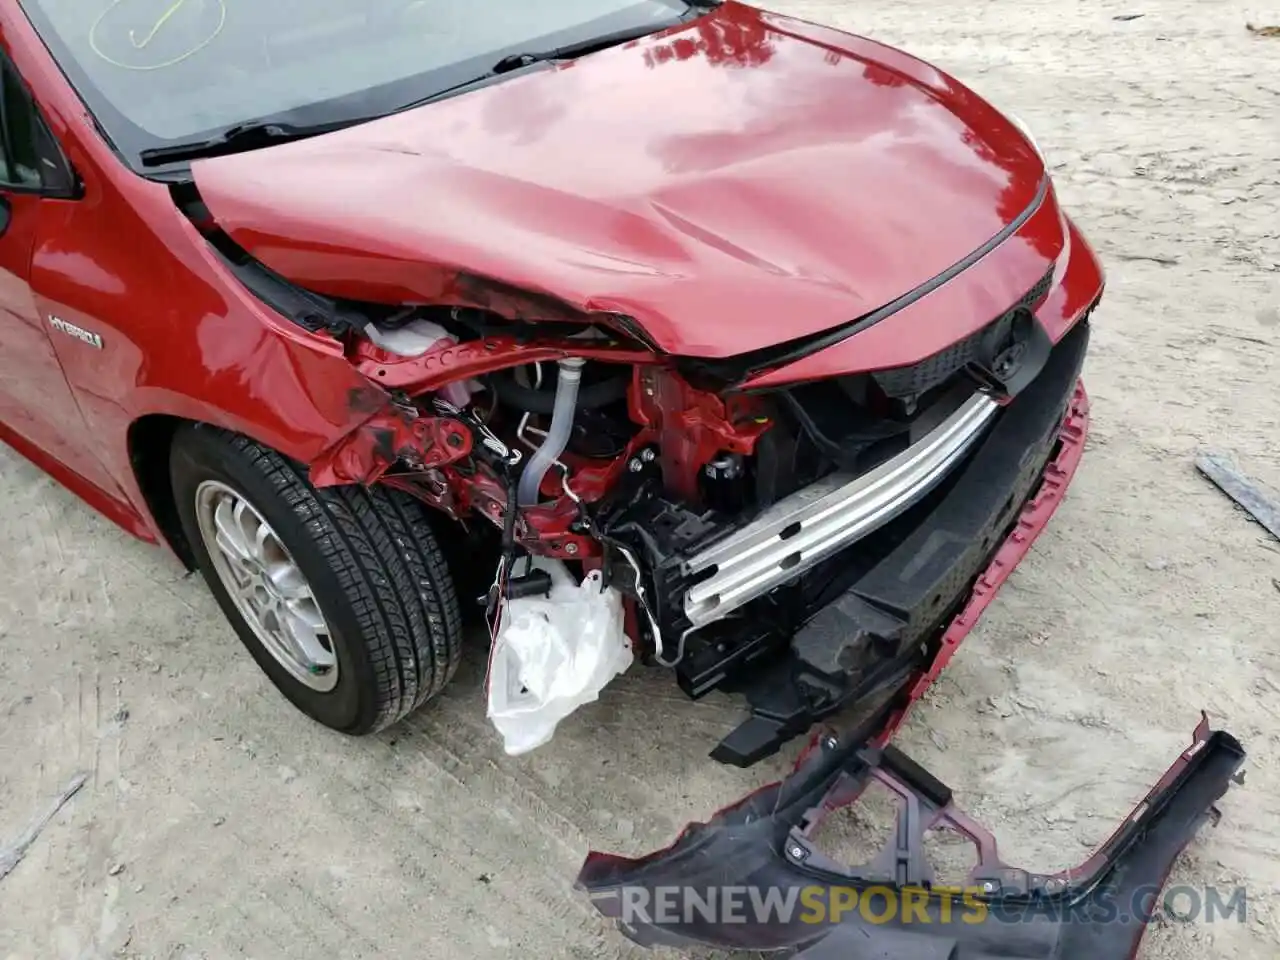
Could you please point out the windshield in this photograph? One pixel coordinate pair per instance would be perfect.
(157, 71)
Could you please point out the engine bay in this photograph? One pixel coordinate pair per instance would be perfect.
(802, 544)
(735, 523)
(636, 468)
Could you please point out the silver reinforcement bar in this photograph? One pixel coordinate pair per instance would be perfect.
(810, 525)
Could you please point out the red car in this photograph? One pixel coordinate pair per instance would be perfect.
(353, 306)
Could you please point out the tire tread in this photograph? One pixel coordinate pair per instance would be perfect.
(380, 545)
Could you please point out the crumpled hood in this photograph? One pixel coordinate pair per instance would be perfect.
(740, 181)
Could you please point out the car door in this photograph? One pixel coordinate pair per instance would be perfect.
(36, 403)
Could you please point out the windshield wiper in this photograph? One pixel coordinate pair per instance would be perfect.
(264, 133)
(254, 134)
(579, 48)
(243, 136)
(519, 61)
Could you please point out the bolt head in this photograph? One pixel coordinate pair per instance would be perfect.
(571, 548)
(635, 465)
(647, 455)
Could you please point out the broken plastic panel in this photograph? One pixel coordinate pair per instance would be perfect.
(552, 654)
(762, 848)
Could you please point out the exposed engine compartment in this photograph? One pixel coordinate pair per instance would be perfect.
(639, 446)
(664, 480)
(786, 542)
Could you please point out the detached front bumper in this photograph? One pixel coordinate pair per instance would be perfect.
(752, 879)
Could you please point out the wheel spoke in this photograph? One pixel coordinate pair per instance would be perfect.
(252, 601)
(307, 613)
(269, 589)
(258, 539)
(306, 639)
(241, 575)
(231, 539)
(289, 581)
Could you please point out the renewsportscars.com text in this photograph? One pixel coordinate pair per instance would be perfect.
(917, 905)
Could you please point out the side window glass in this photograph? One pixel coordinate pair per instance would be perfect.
(29, 159)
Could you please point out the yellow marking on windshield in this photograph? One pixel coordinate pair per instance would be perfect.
(141, 44)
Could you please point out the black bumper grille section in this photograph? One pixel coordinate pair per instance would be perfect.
(979, 347)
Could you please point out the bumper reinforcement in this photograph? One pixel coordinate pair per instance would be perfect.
(928, 592)
(805, 528)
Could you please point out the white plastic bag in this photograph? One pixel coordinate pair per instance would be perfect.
(553, 654)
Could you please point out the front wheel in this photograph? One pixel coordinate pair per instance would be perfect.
(341, 594)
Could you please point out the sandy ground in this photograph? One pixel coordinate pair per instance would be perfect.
(218, 823)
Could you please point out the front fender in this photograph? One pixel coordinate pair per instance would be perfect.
(181, 337)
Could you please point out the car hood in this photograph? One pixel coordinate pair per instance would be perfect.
(740, 181)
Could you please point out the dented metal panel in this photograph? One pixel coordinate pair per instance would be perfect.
(751, 191)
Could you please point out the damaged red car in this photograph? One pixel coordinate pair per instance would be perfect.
(771, 329)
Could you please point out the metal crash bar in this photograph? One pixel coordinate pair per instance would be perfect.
(810, 525)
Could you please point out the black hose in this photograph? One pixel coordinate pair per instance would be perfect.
(530, 400)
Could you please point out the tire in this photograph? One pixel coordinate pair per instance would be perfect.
(369, 563)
